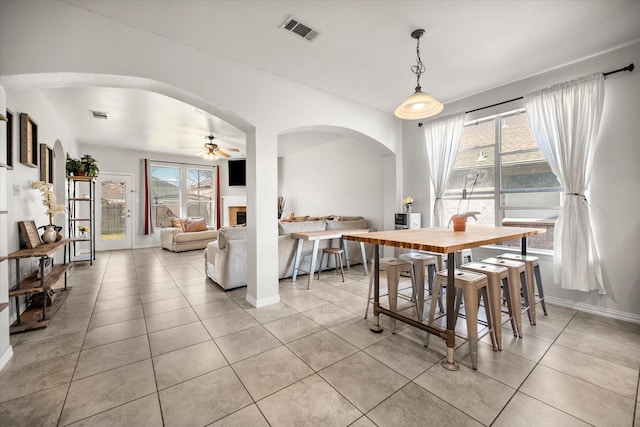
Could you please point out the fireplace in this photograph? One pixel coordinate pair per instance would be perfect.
(237, 215)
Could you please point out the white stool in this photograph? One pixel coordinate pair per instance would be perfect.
(337, 253)
(495, 275)
(532, 268)
(471, 285)
(393, 267)
(419, 261)
(516, 281)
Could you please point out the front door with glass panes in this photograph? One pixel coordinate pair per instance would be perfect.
(114, 212)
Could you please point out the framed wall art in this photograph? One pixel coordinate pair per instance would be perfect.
(46, 164)
(28, 234)
(28, 141)
(9, 149)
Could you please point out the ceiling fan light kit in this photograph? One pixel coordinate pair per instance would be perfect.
(419, 105)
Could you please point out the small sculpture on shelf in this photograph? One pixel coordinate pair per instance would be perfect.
(84, 231)
(281, 202)
(51, 233)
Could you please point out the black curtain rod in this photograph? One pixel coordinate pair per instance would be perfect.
(629, 68)
(178, 163)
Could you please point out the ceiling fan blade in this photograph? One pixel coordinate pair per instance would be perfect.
(222, 153)
(234, 150)
(192, 148)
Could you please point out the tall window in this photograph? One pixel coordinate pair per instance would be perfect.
(181, 191)
(514, 186)
(200, 193)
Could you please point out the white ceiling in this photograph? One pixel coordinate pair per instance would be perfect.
(364, 53)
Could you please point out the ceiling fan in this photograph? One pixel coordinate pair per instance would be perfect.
(212, 151)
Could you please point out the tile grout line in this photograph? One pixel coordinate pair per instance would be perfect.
(529, 374)
(64, 403)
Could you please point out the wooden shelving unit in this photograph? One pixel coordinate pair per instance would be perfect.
(46, 285)
(75, 205)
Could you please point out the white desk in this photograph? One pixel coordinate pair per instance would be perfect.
(316, 237)
(439, 240)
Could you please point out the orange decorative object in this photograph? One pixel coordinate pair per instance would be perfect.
(459, 222)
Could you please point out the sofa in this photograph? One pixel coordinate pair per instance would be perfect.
(226, 258)
(186, 234)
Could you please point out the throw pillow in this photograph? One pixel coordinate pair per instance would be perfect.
(195, 224)
(178, 223)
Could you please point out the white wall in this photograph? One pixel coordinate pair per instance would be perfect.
(6, 350)
(344, 177)
(415, 170)
(615, 182)
(24, 202)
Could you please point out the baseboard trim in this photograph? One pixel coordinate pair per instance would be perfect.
(6, 356)
(588, 308)
(263, 302)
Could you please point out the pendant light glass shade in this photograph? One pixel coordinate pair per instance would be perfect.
(420, 105)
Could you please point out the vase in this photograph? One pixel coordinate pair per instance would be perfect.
(49, 235)
(407, 208)
(459, 222)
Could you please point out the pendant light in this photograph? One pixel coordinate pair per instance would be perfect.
(420, 105)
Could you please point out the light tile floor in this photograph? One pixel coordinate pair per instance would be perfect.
(143, 339)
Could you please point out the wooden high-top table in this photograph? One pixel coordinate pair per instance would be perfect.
(315, 237)
(440, 240)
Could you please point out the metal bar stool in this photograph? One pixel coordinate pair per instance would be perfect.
(495, 275)
(420, 261)
(465, 255)
(337, 253)
(532, 268)
(517, 283)
(472, 286)
(393, 267)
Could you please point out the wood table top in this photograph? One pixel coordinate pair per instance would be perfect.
(326, 234)
(44, 249)
(444, 240)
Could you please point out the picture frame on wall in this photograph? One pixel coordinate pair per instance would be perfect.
(46, 162)
(28, 141)
(29, 237)
(9, 148)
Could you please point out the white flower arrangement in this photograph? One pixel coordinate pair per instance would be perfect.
(49, 200)
(407, 200)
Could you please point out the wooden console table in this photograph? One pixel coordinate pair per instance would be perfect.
(315, 237)
(33, 285)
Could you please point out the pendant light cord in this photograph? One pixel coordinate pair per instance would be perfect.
(419, 68)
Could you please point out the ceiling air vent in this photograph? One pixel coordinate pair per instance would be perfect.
(99, 115)
(293, 25)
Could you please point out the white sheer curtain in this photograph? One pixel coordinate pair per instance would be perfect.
(442, 138)
(565, 120)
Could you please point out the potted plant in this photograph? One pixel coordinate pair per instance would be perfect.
(459, 219)
(52, 232)
(89, 165)
(72, 165)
